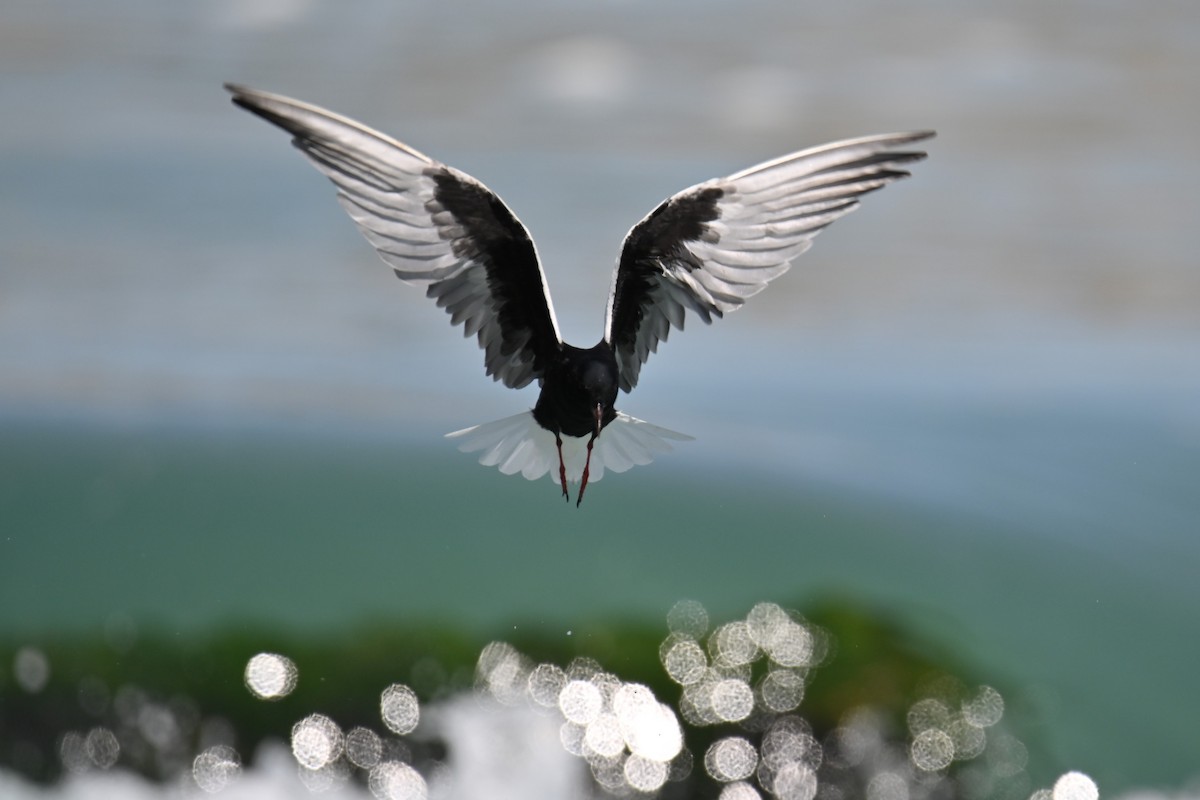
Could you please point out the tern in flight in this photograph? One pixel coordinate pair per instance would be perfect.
(704, 250)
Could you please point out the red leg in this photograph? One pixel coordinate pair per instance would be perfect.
(586, 465)
(562, 468)
(598, 413)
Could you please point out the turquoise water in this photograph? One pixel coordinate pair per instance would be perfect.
(183, 530)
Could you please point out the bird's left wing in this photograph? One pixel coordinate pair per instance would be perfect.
(434, 226)
(709, 248)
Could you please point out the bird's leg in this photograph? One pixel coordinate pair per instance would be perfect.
(562, 468)
(599, 413)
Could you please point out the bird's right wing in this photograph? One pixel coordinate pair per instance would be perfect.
(434, 226)
(709, 248)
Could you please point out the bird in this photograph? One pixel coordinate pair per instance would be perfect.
(701, 252)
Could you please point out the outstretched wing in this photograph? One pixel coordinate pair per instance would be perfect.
(708, 248)
(435, 226)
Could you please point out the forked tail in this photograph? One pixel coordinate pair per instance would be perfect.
(518, 444)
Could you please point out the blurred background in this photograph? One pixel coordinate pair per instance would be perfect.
(969, 413)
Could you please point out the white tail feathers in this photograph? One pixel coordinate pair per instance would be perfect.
(518, 444)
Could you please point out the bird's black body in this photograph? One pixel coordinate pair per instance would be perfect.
(579, 390)
(704, 251)
(576, 382)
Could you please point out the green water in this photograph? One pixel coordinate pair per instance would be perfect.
(185, 532)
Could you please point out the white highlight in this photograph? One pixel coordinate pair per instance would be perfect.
(1075, 786)
(316, 741)
(399, 708)
(503, 672)
(650, 729)
(580, 702)
(546, 683)
(645, 774)
(732, 700)
(216, 768)
(782, 690)
(684, 660)
(739, 791)
(270, 676)
(932, 750)
(393, 780)
(731, 759)
(795, 782)
(785, 640)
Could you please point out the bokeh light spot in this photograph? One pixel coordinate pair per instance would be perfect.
(887, 786)
(782, 690)
(1075, 786)
(610, 772)
(216, 768)
(969, 741)
(604, 736)
(546, 682)
(399, 708)
(689, 618)
(684, 661)
(394, 780)
(985, 708)
(785, 640)
(739, 791)
(503, 672)
(789, 741)
(795, 781)
(932, 749)
(316, 741)
(644, 774)
(580, 701)
(732, 645)
(364, 748)
(926, 714)
(159, 726)
(72, 752)
(102, 747)
(651, 729)
(731, 759)
(31, 668)
(270, 676)
(732, 700)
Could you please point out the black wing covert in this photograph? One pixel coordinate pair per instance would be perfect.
(434, 226)
(710, 247)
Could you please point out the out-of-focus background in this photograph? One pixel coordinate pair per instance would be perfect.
(971, 409)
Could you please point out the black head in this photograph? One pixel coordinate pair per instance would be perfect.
(599, 381)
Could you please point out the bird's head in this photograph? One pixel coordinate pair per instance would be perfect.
(599, 382)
